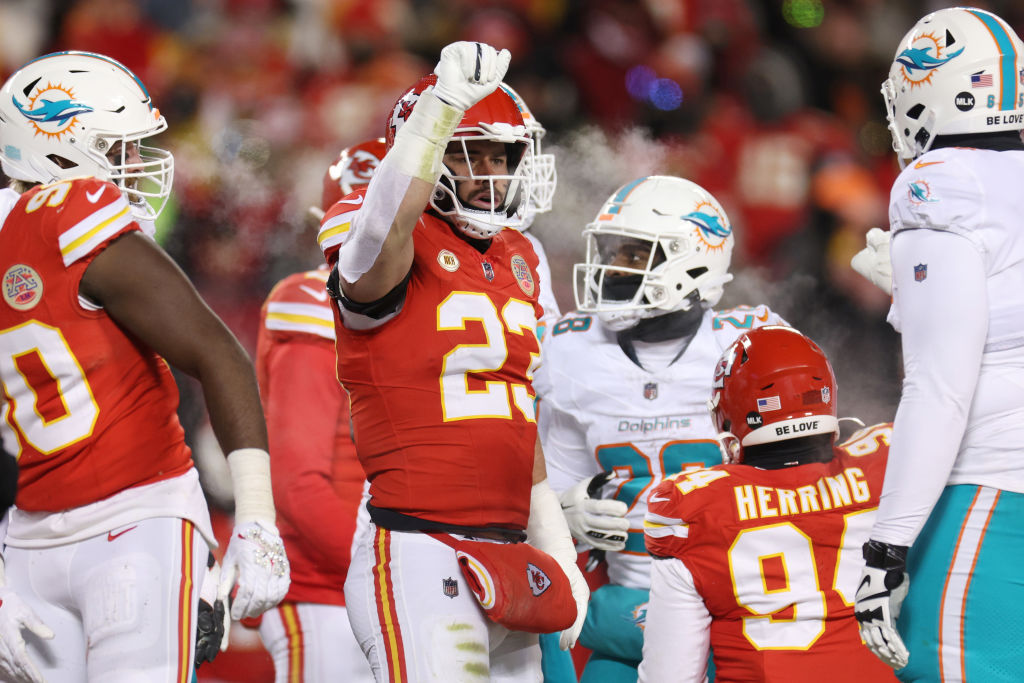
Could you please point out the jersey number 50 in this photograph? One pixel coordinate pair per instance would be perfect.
(51, 404)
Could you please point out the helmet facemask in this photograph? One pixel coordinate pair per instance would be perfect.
(538, 166)
(144, 174)
(488, 201)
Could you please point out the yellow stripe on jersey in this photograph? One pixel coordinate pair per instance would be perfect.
(657, 526)
(306, 318)
(80, 240)
(331, 231)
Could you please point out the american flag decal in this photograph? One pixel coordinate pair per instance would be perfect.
(981, 80)
(766, 405)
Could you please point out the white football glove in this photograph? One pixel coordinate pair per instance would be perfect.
(594, 521)
(547, 531)
(873, 260)
(469, 72)
(883, 587)
(256, 558)
(15, 616)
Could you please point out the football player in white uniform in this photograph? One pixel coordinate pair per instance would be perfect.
(951, 507)
(625, 382)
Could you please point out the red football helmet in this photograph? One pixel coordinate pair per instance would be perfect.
(495, 118)
(353, 168)
(772, 384)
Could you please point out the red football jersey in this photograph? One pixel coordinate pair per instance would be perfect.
(317, 478)
(776, 557)
(88, 409)
(442, 399)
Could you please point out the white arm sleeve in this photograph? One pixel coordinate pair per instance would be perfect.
(373, 221)
(416, 153)
(944, 319)
(677, 634)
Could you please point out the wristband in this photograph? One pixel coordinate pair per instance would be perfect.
(547, 528)
(421, 141)
(250, 476)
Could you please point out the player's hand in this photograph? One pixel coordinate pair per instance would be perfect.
(883, 586)
(256, 558)
(15, 616)
(873, 260)
(599, 523)
(469, 72)
(213, 621)
(581, 594)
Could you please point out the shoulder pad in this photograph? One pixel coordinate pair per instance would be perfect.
(86, 213)
(937, 192)
(336, 222)
(300, 304)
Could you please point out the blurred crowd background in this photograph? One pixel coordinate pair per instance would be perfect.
(772, 105)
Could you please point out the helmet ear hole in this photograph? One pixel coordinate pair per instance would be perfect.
(63, 162)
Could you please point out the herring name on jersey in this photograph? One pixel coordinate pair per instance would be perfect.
(776, 557)
(441, 394)
(610, 414)
(88, 410)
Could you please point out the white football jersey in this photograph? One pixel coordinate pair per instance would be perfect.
(961, 418)
(599, 411)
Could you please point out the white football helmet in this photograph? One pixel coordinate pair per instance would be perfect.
(683, 235)
(957, 71)
(74, 114)
(540, 167)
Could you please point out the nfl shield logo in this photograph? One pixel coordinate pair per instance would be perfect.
(920, 271)
(651, 391)
(450, 587)
(488, 270)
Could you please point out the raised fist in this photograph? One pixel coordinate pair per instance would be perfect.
(468, 72)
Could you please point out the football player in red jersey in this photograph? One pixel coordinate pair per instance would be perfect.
(110, 534)
(318, 481)
(759, 558)
(436, 317)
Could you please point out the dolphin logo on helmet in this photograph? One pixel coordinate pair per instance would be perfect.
(709, 224)
(53, 111)
(917, 59)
